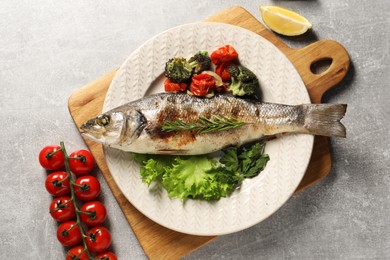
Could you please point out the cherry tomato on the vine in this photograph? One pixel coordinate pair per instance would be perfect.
(57, 184)
(98, 239)
(62, 209)
(223, 54)
(87, 188)
(81, 162)
(68, 233)
(76, 253)
(202, 84)
(51, 157)
(106, 256)
(93, 213)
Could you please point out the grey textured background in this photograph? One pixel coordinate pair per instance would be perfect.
(48, 49)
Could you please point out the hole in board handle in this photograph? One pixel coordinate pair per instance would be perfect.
(321, 65)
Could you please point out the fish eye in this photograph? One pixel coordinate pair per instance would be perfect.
(103, 120)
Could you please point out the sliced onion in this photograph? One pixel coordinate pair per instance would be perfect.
(217, 78)
(210, 95)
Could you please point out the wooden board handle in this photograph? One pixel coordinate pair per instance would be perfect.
(318, 84)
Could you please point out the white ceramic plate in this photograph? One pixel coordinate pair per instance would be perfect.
(141, 74)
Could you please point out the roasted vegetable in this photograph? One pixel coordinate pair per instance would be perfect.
(200, 62)
(224, 54)
(223, 71)
(202, 85)
(170, 86)
(243, 81)
(178, 70)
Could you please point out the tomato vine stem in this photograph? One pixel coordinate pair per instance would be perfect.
(91, 214)
(62, 205)
(65, 232)
(79, 157)
(61, 181)
(73, 197)
(49, 155)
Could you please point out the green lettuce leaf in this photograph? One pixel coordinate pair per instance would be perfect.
(201, 177)
(153, 166)
(197, 177)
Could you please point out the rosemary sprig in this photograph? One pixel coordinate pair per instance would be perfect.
(203, 125)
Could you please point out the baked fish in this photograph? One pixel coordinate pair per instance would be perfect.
(182, 124)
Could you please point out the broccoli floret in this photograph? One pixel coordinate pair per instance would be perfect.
(178, 70)
(200, 62)
(244, 82)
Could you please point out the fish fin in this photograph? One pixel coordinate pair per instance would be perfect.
(324, 119)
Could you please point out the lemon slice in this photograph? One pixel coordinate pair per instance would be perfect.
(284, 21)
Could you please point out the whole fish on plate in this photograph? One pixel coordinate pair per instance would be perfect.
(182, 124)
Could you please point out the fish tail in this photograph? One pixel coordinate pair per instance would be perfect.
(324, 119)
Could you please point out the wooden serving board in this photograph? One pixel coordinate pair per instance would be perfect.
(162, 243)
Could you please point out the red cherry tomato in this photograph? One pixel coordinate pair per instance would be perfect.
(106, 256)
(81, 162)
(93, 213)
(223, 54)
(51, 157)
(202, 84)
(76, 253)
(98, 239)
(223, 72)
(62, 209)
(68, 233)
(87, 188)
(170, 86)
(57, 184)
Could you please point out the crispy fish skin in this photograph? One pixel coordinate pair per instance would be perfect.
(137, 126)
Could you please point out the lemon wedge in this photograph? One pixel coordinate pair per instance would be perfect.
(284, 21)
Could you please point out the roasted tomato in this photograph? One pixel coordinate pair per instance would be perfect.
(170, 86)
(223, 72)
(202, 84)
(224, 54)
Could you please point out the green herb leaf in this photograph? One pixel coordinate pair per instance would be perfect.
(253, 160)
(230, 159)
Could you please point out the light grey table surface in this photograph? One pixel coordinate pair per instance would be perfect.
(49, 49)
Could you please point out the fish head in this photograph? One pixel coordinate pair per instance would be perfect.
(106, 128)
(114, 128)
